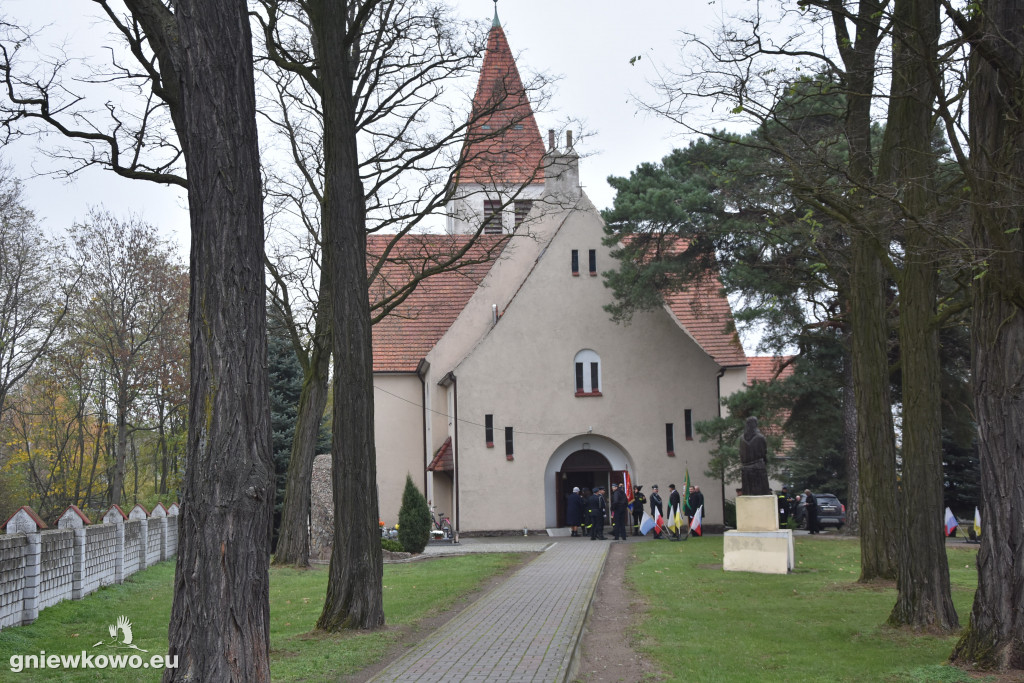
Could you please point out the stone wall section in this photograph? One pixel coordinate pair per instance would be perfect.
(40, 568)
(12, 578)
(134, 556)
(171, 542)
(56, 566)
(101, 553)
(155, 541)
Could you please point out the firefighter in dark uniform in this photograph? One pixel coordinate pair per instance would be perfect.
(639, 501)
(597, 507)
(656, 509)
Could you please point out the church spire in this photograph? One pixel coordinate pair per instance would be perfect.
(503, 145)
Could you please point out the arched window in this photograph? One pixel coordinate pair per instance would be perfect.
(588, 373)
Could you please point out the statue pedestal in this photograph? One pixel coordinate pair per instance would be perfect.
(758, 545)
(757, 513)
(763, 552)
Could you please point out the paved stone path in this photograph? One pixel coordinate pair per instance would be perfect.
(526, 629)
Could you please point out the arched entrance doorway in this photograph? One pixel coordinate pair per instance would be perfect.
(585, 469)
(586, 460)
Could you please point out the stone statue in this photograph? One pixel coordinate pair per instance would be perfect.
(754, 461)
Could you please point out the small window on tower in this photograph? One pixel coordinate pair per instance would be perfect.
(523, 207)
(593, 261)
(492, 216)
(489, 430)
(575, 262)
(508, 443)
(688, 416)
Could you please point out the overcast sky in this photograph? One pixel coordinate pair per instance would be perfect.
(588, 44)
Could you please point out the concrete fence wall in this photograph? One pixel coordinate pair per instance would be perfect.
(41, 567)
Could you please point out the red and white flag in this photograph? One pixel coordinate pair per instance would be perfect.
(950, 521)
(659, 522)
(695, 522)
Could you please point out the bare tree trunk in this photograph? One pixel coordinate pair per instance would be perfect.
(355, 586)
(293, 534)
(907, 164)
(120, 453)
(293, 538)
(220, 617)
(876, 468)
(994, 638)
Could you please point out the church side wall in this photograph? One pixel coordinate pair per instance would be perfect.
(398, 414)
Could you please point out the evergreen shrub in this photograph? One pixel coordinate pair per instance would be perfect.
(413, 519)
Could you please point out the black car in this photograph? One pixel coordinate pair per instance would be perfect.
(830, 512)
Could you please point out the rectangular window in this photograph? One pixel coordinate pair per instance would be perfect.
(688, 416)
(575, 262)
(670, 438)
(579, 377)
(593, 261)
(595, 384)
(492, 216)
(489, 430)
(508, 442)
(523, 207)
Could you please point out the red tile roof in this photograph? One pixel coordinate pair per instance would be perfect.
(704, 312)
(503, 145)
(442, 461)
(77, 511)
(407, 334)
(413, 327)
(769, 368)
(31, 513)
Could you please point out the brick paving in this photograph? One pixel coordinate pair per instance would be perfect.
(526, 629)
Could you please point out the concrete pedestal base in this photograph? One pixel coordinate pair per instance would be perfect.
(763, 552)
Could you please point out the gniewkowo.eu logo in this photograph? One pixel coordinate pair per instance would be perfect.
(117, 652)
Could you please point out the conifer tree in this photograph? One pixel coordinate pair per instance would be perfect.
(413, 519)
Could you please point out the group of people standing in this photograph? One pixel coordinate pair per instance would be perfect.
(798, 507)
(586, 511)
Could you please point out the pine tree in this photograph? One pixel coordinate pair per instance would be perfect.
(285, 379)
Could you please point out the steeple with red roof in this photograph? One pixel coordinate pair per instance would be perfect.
(503, 153)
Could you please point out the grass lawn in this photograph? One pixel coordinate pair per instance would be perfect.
(411, 592)
(816, 624)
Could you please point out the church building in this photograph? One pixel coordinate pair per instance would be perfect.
(502, 385)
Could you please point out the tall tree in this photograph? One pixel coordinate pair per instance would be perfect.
(220, 617)
(994, 165)
(128, 285)
(194, 72)
(908, 163)
(33, 290)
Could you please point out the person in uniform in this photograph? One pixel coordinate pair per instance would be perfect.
(620, 512)
(674, 505)
(812, 512)
(656, 508)
(696, 503)
(597, 508)
(784, 503)
(639, 501)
